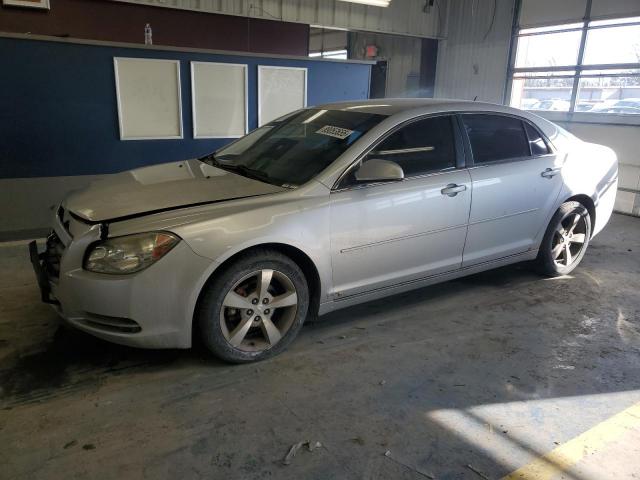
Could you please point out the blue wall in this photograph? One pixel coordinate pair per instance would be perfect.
(58, 113)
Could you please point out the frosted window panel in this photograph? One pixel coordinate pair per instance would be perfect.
(219, 93)
(149, 104)
(548, 50)
(613, 45)
(281, 90)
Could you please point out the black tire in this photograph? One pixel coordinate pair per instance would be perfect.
(554, 240)
(208, 314)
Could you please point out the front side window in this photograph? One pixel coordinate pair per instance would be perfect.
(495, 137)
(423, 146)
(292, 150)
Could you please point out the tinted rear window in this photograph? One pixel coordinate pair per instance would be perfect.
(495, 137)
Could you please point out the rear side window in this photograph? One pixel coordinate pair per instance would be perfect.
(421, 147)
(495, 137)
(536, 142)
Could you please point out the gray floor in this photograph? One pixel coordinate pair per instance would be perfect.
(486, 373)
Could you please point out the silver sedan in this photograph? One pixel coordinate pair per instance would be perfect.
(324, 208)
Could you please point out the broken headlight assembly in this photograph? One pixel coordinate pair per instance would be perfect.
(130, 253)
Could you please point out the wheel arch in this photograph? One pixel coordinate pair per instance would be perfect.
(588, 203)
(303, 261)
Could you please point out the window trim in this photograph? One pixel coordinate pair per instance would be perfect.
(579, 68)
(471, 163)
(542, 137)
(460, 152)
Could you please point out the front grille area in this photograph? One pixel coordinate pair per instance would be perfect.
(52, 255)
(112, 324)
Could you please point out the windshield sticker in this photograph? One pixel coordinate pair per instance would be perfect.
(336, 132)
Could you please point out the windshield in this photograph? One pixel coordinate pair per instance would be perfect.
(292, 150)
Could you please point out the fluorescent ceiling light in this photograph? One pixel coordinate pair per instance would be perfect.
(375, 3)
(318, 114)
(357, 107)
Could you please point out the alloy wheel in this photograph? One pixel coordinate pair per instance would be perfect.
(569, 240)
(258, 310)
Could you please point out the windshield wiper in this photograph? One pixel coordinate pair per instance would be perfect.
(253, 173)
(241, 169)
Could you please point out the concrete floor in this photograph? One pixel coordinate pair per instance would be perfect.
(469, 379)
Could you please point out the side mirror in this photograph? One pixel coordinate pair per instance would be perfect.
(377, 170)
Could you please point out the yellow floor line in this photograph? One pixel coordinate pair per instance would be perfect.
(568, 454)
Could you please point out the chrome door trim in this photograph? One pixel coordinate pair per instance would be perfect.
(403, 150)
(511, 160)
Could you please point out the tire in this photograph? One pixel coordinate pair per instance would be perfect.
(235, 313)
(565, 241)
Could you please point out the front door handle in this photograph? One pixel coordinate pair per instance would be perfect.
(452, 189)
(550, 172)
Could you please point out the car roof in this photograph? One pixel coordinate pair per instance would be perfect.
(392, 106)
(421, 106)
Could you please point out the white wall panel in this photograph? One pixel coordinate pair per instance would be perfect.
(473, 60)
(148, 97)
(405, 17)
(219, 100)
(281, 90)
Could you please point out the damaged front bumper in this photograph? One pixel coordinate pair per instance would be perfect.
(40, 268)
(152, 308)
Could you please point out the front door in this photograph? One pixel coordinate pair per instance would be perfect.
(516, 180)
(388, 233)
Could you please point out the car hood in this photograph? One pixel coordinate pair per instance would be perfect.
(159, 188)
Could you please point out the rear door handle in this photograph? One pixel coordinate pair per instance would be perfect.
(550, 172)
(452, 189)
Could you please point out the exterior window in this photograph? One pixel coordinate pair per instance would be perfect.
(536, 142)
(421, 147)
(552, 73)
(341, 54)
(495, 137)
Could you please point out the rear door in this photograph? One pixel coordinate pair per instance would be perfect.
(516, 179)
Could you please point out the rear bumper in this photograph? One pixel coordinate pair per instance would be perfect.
(150, 309)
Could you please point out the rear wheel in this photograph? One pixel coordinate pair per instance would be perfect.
(254, 308)
(565, 241)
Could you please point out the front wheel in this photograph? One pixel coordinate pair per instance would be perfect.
(565, 241)
(254, 308)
